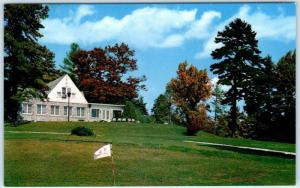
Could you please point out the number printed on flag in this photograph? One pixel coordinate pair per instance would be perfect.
(104, 151)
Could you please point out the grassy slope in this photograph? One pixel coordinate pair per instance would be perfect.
(130, 132)
(144, 155)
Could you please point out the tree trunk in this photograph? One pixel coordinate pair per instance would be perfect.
(233, 123)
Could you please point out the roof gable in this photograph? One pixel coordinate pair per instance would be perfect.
(53, 83)
(55, 94)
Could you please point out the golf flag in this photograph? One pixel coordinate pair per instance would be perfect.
(104, 151)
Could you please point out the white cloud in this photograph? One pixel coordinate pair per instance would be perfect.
(173, 41)
(199, 29)
(209, 46)
(282, 28)
(277, 27)
(142, 28)
(82, 11)
(153, 27)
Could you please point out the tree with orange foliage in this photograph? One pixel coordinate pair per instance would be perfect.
(101, 74)
(189, 90)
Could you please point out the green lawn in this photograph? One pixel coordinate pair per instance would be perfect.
(144, 154)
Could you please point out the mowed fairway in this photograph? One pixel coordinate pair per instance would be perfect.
(144, 154)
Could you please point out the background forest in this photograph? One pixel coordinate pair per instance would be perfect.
(254, 97)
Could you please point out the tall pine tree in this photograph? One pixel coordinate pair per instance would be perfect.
(238, 54)
(28, 66)
(69, 66)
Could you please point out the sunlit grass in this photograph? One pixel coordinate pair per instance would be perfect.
(144, 154)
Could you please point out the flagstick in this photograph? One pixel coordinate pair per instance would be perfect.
(113, 165)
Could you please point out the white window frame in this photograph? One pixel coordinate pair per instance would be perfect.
(81, 111)
(26, 107)
(43, 109)
(55, 109)
(103, 114)
(70, 110)
(97, 109)
(64, 92)
(107, 114)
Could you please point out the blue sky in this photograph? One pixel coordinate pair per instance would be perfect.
(163, 35)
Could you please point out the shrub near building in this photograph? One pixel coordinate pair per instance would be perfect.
(82, 131)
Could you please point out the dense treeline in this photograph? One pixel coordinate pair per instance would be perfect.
(267, 89)
(269, 107)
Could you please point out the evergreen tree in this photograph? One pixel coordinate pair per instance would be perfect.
(260, 88)
(161, 109)
(238, 55)
(28, 66)
(218, 95)
(69, 66)
(285, 97)
(139, 102)
(260, 97)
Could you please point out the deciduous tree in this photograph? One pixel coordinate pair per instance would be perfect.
(190, 89)
(103, 74)
(131, 110)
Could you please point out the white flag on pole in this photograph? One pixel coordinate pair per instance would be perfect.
(104, 151)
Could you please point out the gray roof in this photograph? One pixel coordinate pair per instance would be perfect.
(53, 83)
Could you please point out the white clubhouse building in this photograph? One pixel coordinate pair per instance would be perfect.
(63, 93)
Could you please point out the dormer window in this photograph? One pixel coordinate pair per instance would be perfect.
(63, 92)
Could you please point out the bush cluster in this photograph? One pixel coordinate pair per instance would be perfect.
(82, 131)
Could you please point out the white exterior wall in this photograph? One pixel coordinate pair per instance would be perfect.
(77, 101)
(33, 116)
(68, 83)
(103, 108)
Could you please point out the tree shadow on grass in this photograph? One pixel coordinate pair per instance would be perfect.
(253, 152)
(185, 133)
(17, 123)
